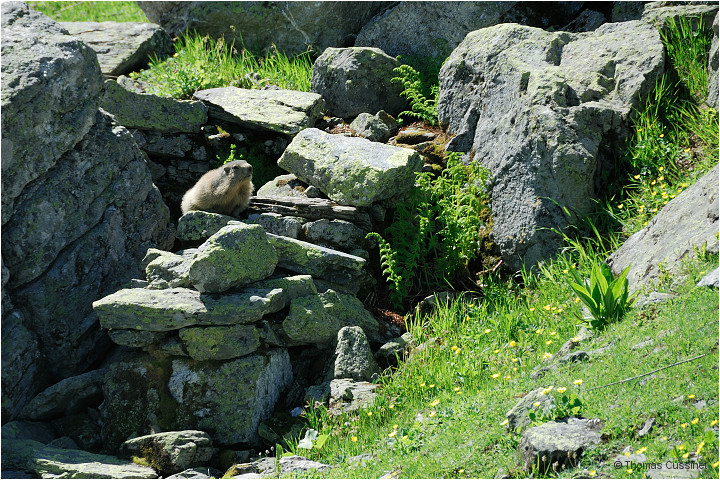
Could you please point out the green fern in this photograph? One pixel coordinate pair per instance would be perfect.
(422, 97)
(436, 232)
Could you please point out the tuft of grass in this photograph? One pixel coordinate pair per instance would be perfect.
(688, 46)
(201, 62)
(91, 11)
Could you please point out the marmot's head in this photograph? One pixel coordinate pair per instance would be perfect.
(238, 170)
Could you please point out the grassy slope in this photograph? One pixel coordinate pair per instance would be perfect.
(91, 11)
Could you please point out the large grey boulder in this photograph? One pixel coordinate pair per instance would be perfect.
(228, 400)
(353, 357)
(199, 225)
(43, 461)
(555, 446)
(122, 47)
(171, 452)
(77, 233)
(357, 80)
(291, 26)
(540, 110)
(351, 171)
(234, 256)
(279, 111)
(429, 29)
(50, 84)
(220, 343)
(150, 112)
(687, 223)
(316, 319)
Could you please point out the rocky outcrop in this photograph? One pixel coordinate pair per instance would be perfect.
(429, 29)
(122, 47)
(153, 113)
(357, 80)
(688, 223)
(171, 452)
(351, 171)
(79, 206)
(292, 27)
(50, 83)
(542, 110)
(353, 357)
(280, 111)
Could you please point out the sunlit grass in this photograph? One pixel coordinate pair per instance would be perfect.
(91, 11)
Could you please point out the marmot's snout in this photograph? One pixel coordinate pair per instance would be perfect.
(239, 169)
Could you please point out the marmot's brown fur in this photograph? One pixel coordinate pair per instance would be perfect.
(224, 190)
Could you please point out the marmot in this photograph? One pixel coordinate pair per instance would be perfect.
(225, 190)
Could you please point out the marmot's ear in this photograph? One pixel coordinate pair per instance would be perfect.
(227, 169)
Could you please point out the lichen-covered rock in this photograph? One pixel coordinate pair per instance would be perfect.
(292, 27)
(69, 396)
(542, 111)
(283, 185)
(150, 112)
(167, 270)
(50, 83)
(320, 262)
(276, 224)
(199, 225)
(555, 446)
(230, 399)
(348, 395)
(171, 452)
(50, 462)
(234, 256)
(136, 338)
(376, 128)
(357, 80)
(220, 343)
(175, 308)
(429, 29)
(122, 47)
(389, 353)
(353, 357)
(518, 415)
(316, 319)
(279, 111)
(336, 233)
(688, 222)
(76, 234)
(351, 171)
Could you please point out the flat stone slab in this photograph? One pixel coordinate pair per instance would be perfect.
(49, 462)
(68, 396)
(320, 262)
(350, 170)
(122, 47)
(150, 112)
(173, 451)
(175, 308)
(280, 111)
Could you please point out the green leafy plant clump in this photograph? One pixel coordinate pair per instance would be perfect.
(605, 296)
(437, 231)
(201, 62)
(422, 95)
(91, 11)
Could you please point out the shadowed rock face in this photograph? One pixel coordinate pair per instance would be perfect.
(543, 110)
(291, 26)
(79, 207)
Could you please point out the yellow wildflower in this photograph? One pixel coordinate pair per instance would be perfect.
(537, 404)
(392, 434)
(487, 330)
(562, 390)
(548, 342)
(684, 425)
(431, 414)
(636, 177)
(578, 382)
(512, 343)
(495, 375)
(504, 422)
(715, 465)
(593, 473)
(353, 439)
(691, 396)
(694, 421)
(713, 423)
(547, 355)
(686, 455)
(699, 448)
(434, 403)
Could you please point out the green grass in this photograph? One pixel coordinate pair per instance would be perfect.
(201, 62)
(91, 11)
